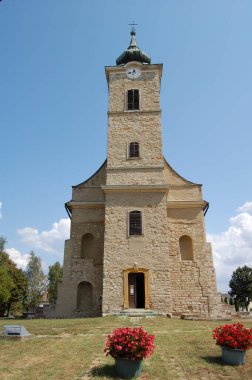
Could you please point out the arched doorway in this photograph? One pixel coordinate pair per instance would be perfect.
(84, 297)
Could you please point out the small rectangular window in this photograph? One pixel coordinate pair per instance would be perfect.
(135, 223)
(133, 100)
(133, 149)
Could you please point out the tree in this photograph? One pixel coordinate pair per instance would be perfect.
(240, 285)
(54, 277)
(6, 286)
(3, 255)
(36, 281)
(13, 284)
(19, 292)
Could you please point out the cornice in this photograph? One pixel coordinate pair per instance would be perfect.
(136, 168)
(187, 204)
(185, 186)
(81, 204)
(128, 112)
(136, 188)
(88, 186)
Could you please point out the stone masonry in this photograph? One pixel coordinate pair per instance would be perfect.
(162, 263)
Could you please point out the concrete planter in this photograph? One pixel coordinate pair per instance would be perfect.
(128, 368)
(233, 356)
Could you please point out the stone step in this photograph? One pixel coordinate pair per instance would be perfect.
(136, 313)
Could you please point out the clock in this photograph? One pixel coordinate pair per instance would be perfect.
(133, 72)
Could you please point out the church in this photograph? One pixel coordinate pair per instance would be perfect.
(137, 240)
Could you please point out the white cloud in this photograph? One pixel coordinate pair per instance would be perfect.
(1, 210)
(18, 258)
(51, 241)
(233, 247)
(247, 207)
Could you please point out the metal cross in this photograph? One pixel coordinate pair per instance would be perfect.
(133, 26)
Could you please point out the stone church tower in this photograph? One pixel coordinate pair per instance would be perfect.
(137, 237)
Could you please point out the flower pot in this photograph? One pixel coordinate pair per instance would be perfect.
(233, 356)
(128, 368)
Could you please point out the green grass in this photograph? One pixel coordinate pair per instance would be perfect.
(72, 349)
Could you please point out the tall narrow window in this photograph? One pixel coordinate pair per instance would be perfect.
(135, 223)
(133, 100)
(133, 149)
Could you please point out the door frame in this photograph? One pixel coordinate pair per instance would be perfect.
(126, 285)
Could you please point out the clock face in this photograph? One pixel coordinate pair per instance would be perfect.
(133, 72)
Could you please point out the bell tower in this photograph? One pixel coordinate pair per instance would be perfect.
(134, 119)
(135, 190)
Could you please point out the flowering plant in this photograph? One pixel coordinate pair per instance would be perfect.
(128, 343)
(233, 336)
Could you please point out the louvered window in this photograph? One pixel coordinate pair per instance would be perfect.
(135, 223)
(133, 100)
(133, 149)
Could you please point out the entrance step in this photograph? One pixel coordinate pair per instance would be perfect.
(136, 313)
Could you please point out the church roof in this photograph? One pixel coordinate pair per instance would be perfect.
(133, 53)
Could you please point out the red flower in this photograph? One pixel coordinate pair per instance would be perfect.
(129, 343)
(233, 336)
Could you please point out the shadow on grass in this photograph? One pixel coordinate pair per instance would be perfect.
(104, 371)
(213, 360)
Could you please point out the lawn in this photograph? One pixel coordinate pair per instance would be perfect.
(72, 349)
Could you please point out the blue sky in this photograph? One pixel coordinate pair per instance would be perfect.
(53, 111)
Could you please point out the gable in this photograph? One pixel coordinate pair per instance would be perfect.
(90, 190)
(96, 179)
(173, 178)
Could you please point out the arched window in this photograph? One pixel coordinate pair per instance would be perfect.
(135, 223)
(87, 246)
(133, 149)
(133, 100)
(186, 248)
(84, 296)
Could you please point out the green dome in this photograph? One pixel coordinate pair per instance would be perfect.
(133, 53)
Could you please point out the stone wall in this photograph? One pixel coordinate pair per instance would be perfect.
(148, 83)
(142, 126)
(78, 270)
(149, 251)
(124, 129)
(191, 279)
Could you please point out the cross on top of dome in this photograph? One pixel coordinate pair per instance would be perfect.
(133, 52)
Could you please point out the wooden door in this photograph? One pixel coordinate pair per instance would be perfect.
(132, 290)
(136, 291)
